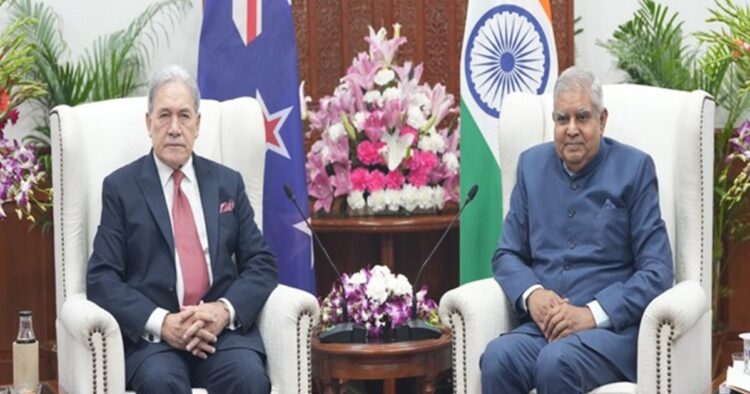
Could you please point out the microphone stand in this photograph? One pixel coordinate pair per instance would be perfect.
(414, 328)
(347, 331)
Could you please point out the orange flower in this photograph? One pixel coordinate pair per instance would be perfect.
(742, 45)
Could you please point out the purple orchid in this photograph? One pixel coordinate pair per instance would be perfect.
(376, 299)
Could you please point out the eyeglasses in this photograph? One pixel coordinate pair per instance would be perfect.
(582, 118)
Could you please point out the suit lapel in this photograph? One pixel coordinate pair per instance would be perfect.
(208, 184)
(152, 191)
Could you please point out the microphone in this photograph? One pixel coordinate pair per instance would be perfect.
(416, 329)
(346, 332)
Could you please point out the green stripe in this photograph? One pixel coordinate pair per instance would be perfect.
(481, 222)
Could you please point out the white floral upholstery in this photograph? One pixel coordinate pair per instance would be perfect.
(674, 343)
(90, 141)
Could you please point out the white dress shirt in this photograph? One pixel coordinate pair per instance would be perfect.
(189, 186)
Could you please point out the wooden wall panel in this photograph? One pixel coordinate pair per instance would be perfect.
(330, 33)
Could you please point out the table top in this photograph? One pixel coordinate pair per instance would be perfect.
(385, 223)
(381, 349)
(423, 358)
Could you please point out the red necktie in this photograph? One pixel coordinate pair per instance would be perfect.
(189, 249)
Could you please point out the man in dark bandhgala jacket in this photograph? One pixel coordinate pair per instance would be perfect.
(584, 250)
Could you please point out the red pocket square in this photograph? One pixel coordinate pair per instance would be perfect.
(226, 206)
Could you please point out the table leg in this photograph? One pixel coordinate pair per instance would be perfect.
(389, 386)
(428, 385)
(329, 386)
(386, 252)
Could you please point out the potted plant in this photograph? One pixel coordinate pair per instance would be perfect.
(112, 67)
(650, 49)
(21, 176)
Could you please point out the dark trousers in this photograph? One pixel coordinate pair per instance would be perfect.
(229, 371)
(519, 362)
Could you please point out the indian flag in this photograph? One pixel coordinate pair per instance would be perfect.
(508, 46)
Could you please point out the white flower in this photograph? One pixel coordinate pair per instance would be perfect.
(421, 101)
(393, 199)
(399, 285)
(424, 197)
(396, 145)
(451, 161)
(409, 197)
(377, 201)
(432, 142)
(381, 271)
(356, 199)
(335, 131)
(384, 76)
(376, 290)
(392, 93)
(357, 278)
(373, 97)
(438, 197)
(415, 118)
(358, 120)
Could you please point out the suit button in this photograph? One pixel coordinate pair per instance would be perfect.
(566, 267)
(574, 185)
(171, 289)
(571, 213)
(571, 244)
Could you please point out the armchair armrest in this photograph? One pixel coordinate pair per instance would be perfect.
(674, 342)
(90, 339)
(476, 312)
(286, 324)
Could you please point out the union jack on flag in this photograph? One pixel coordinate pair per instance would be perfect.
(247, 48)
(246, 15)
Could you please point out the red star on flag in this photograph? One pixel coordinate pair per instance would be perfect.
(273, 123)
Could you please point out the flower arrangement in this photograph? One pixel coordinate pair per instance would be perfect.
(376, 299)
(650, 47)
(386, 142)
(20, 172)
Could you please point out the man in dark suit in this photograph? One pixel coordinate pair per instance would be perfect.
(584, 250)
(179, 261)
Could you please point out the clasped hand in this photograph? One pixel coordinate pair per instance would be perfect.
(195, 328)
(556, 316)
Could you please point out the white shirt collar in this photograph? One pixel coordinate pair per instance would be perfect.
(165, 171)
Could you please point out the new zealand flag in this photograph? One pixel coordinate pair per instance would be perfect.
(247, 48)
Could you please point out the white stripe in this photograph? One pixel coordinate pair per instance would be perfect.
(258, 18)
(239, 16)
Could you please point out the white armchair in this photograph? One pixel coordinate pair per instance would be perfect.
(674, 342)
(90, 141)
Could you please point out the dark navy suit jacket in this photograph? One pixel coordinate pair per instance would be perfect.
(132, 269)
(595, 235)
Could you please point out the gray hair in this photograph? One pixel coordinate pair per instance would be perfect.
(173, 73)
(579, 78)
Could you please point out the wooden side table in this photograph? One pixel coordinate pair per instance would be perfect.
(386, 361)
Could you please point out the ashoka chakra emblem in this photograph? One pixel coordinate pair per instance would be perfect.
(507, 51)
